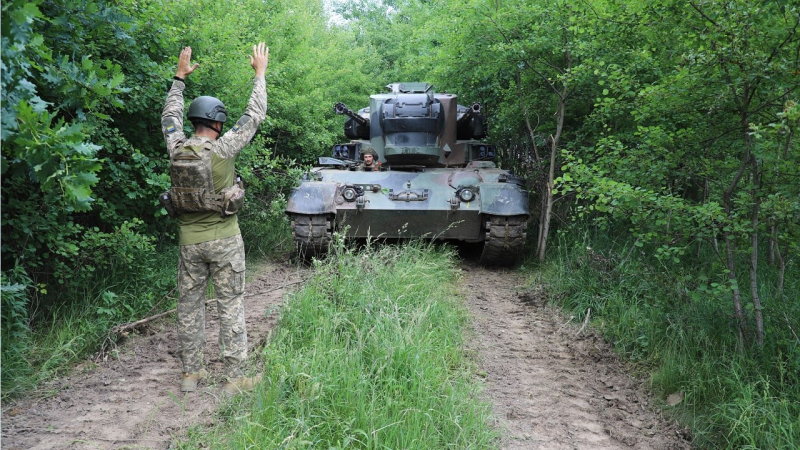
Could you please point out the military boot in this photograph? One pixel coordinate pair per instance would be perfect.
(240, 384)
(189, 383)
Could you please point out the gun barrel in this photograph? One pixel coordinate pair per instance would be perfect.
(340, 108)
(471, 112)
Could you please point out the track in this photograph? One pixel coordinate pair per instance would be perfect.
(503, 246)
(312, 234)
(552, 384)
(505, 241)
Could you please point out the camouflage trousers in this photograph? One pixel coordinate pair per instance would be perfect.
(223, 261)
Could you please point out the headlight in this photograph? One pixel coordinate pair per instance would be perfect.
(466, 195)
(349, 194)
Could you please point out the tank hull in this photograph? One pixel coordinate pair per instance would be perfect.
(424, 203)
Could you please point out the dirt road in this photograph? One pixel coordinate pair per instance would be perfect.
(130, 398)
(552, 387)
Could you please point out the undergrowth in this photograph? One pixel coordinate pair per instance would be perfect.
(368, 355)
(77, 324)
(676, 324)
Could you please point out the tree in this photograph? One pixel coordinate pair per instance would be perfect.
(688, 166)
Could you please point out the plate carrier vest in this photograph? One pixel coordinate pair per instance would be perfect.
(193, 184)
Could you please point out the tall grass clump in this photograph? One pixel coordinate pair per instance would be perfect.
(47, 342)
(368, 356)
(676, 324)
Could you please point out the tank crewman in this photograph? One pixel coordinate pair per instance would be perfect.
(211, 243)
(370, 162)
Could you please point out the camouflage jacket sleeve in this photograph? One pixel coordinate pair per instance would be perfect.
(229, 145)
(172, 117)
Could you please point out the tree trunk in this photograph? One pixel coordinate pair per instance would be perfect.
(548, 207)
(542, 219)
(781, 269)
(737, 299)
(526, 116)
(759, 314)
(729, 251)
(544, 225)
(773, 232)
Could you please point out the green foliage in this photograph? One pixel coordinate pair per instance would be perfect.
(368, 355)
(653, 216)
(57, 117)
(673, 321)
(48, 97)
(16, 332)
(35, 351)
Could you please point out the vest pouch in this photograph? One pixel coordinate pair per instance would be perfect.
(165, 199)
(189, 199)
(232, 200)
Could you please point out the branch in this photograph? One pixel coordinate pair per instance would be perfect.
(122, 328)
(531, 130)
(585, 321)
(789, 324)
(703, 14)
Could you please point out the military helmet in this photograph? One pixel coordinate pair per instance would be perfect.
(207, 108)
(368, 151)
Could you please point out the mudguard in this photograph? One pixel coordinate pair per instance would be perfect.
(503, 199)
(311, 198)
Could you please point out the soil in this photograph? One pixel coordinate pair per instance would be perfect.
(552, 384)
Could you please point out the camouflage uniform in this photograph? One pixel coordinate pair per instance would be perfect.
(375, 166)
(211, 245)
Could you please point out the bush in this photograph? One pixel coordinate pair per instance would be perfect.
(16, 332)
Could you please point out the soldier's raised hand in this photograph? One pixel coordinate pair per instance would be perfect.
(260, 58)
(185, 66)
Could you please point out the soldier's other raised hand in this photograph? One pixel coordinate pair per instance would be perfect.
(260, 58)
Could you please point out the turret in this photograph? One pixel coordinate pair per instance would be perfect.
(412, 126)
(411, 121)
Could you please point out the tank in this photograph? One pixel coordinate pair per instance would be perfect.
(434, 178)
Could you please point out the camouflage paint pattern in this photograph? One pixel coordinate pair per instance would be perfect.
(422, 203)
(221, 260)
(436, 179)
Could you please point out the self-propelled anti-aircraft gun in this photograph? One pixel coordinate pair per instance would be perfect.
(433, 178)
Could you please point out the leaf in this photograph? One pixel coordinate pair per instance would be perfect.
(675, 398)
(116, 80)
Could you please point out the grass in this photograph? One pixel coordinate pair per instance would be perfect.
(681, 335)
(78, 327)
(368, 355)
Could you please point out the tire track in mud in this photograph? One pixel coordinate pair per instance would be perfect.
(552, 385)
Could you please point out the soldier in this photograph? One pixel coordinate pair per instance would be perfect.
(210, 241)
(370, 164)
